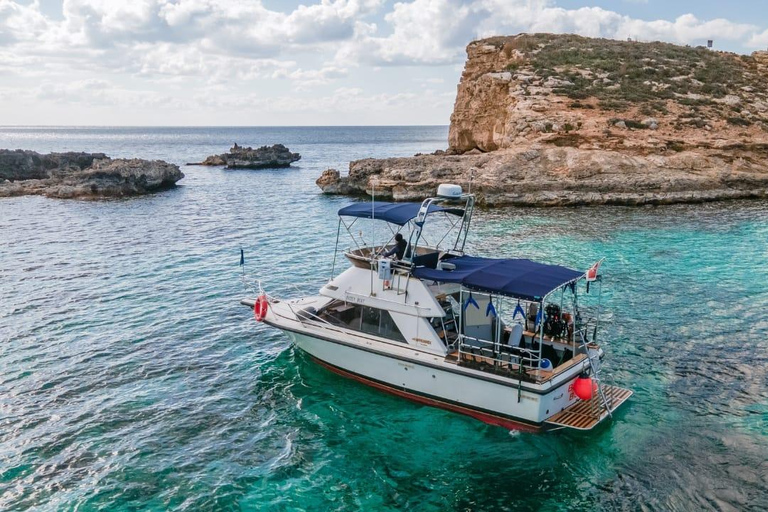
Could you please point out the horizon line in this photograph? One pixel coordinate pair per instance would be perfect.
(224, 126)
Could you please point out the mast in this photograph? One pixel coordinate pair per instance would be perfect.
(373, 229)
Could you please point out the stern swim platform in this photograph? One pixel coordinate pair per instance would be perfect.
(587, 414)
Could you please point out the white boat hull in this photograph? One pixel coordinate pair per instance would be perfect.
(499, 404)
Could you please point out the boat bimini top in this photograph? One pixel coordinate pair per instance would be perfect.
(394, 213)
(518, 278)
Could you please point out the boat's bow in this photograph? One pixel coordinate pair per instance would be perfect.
(279, 313)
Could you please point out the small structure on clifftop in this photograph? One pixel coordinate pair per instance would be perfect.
(265, 157)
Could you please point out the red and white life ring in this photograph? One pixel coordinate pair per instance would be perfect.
(260, 308)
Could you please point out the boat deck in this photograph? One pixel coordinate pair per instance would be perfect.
(586, 414)
(511, 370)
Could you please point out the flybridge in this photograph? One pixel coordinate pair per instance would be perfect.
(518, 278)
(408, 218)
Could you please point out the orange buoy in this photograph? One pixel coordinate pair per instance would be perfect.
(260, 308)
(584, 388)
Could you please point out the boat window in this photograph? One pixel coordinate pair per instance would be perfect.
(389, 329)
(380, 323)
(363, 318)
(371, 319)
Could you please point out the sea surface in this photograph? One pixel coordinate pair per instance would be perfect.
(131, 378)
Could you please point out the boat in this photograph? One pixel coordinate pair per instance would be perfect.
(509, 341)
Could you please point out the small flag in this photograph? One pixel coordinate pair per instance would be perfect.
(592, 272)
(242, 257)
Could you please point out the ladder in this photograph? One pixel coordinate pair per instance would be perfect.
(595, 376)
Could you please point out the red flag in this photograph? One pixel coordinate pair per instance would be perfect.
(592, 272)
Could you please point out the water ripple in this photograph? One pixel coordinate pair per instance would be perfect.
(131, 378)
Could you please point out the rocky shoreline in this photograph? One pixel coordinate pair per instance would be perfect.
(265, 157)
(546, 176)
(82, 175)
(561, 120)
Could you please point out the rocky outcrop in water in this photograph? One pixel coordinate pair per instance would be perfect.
(332, 183)
(82, 175)
(546, 119)
(265, 157)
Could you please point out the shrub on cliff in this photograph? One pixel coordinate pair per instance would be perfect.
(622, 71)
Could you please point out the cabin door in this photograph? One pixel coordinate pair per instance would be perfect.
(478, 324)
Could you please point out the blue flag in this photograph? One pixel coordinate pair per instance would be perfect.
(242, 257)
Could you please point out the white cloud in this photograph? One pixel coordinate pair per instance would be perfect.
(171, 59)
(20, 23)
(435, 31)
(122, 52)
(99, 93)
(197, 36)
(429, 31)
(223, 24)
(307, 79)
(341, 100)
(759, 40)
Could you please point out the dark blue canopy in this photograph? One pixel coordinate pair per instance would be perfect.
(395, 213)
(522, 279)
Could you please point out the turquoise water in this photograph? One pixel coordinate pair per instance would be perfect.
(131, 378)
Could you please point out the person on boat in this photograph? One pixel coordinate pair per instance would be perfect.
(399, 249)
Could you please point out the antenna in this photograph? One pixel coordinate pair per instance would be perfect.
(373, 228)
(373, 214)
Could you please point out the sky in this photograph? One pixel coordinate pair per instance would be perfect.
(291, 62)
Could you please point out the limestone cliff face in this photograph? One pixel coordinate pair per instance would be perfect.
(483, 103)
(519, 89)
(544, 119)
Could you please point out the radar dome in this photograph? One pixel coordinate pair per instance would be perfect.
(449, 191)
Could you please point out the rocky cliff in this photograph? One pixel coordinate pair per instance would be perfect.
(545, 119)
(81, 175)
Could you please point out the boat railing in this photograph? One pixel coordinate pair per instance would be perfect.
(497, 354)
(584, 330)
(609, 391)
(278, 293)
(368, 257)
(285, 294)
(604, 391)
